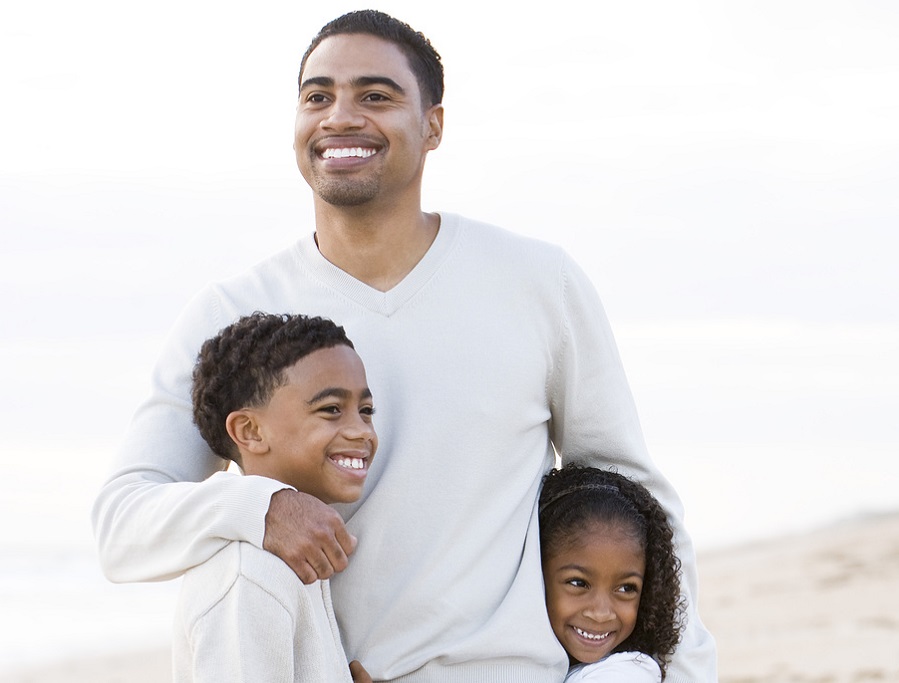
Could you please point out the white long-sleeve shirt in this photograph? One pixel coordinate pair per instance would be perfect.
(494, 350)
(621, 667)
(244, 616)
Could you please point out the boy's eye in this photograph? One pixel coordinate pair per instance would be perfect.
(367, 410)
(330, 410)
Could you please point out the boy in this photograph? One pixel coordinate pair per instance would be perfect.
(284, 397)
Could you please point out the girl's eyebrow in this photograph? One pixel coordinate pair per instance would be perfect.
(584, 570)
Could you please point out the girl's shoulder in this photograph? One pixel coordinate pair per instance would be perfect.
(621, 667)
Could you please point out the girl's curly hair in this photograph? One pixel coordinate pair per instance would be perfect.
(574, 497)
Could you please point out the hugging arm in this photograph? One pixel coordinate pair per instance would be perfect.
(595, 423)
(167, 506)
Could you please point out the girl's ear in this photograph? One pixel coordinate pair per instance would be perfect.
(244, 429)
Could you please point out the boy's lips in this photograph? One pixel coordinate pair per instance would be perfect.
(355, 461)
(350, 463)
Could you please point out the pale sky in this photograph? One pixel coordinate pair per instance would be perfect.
(727, 172)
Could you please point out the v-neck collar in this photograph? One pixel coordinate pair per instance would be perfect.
(389, 302)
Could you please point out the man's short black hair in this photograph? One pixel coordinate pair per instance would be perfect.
(423, 58)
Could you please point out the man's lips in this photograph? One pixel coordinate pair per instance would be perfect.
(347, 152)
(346, 148)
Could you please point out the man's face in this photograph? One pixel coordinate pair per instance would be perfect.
(361, 133)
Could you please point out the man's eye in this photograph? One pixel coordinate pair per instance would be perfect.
(330, 410)
(376, 97)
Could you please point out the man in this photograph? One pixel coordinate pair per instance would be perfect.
(487, 352)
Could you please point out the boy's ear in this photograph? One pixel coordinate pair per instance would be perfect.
(244, 429)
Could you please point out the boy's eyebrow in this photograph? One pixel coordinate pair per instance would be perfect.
(358, 82)
(337, 392)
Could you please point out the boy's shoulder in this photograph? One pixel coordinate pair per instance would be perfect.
(207, 584)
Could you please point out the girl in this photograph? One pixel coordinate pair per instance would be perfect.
(611, 575)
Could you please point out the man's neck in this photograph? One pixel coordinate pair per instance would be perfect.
(376, 247)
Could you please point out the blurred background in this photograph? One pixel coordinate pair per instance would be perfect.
(727, 173)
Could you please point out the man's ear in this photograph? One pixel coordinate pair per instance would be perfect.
(244, 429)
(435, 126)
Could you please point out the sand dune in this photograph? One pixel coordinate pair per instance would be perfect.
(822, 607)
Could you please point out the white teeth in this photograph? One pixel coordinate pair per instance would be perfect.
(351, 463)
(591, 636)
(345, 152)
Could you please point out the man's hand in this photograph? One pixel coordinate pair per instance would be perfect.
(360, 675)
(308, 535)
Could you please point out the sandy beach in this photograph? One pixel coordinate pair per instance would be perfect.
(821, 607)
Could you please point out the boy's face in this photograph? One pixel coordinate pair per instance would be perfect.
(593, 588)
(318, 427)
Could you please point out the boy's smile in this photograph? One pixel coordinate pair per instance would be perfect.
(317, 427)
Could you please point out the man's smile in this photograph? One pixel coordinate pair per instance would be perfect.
(347, 152)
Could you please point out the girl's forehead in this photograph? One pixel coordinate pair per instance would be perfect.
(604, 532)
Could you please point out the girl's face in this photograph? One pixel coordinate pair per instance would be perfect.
(593, 587)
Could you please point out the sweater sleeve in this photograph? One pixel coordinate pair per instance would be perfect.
(160, 512)
(595, 423)
(248, 635)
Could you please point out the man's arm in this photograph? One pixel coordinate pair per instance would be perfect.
(595, 423)
(161, 512)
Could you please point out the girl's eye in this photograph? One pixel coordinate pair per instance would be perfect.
(577, 583)
(367, 410)
(629, 588)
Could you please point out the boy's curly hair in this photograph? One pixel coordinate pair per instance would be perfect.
(244, 363)
(574, 497)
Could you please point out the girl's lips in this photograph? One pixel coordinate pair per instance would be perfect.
(591, 637)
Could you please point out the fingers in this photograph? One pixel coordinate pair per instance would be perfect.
(360, 675)
(308, 535)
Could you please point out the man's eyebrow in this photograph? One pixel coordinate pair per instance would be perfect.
(358, 82)
(365, 81)
(322, 81)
